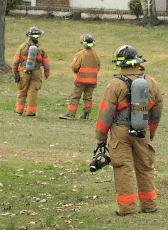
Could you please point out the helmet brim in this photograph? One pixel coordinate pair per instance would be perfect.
(129, 63)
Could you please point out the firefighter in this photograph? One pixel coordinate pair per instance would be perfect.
(27, 71)
(85, 65)
(132, 154)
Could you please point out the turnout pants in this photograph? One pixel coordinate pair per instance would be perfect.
(133, 164)
(79, 89)
(27, 92)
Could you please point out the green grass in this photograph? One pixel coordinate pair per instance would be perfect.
(44, 181)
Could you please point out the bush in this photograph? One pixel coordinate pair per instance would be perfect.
(136, 7)
(11, 5)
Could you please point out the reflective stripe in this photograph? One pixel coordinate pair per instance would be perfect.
(32, 108)
(22, 68)
(20, 58)
(20, 107)
(104, 105)
(104, 128)
(45, 61)
(153, 126)
(123, 105)
(148, 195)
(88, 70)
(151, 104)
(72, 107)
(86, 80)
(127, 199)
(88, 105)
(23, 58)
(16, 58)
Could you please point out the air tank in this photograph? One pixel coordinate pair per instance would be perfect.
(139, 103)
(31, 58)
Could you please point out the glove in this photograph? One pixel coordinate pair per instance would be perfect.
(17, 76)
(152, 134)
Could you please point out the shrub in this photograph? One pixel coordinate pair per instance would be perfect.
(135, 7)
(11, 5)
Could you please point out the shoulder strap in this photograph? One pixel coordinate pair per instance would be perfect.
(128, 83)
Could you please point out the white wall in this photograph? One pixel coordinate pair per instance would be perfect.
(105, 4)
(111, 4)
(161, 5)
(33, 2)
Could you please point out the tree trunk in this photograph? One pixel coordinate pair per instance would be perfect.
(3, 66)
(149, 13)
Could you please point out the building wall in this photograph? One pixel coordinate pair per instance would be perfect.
(52, 2)
(161, 5)
(101, 4)
(111, 4)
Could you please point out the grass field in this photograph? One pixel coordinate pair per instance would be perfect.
(44, 178)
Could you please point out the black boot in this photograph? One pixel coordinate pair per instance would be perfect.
(85, 115)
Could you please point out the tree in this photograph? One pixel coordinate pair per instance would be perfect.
(135, 8)
(3, 66)
(11, 5)
(149, 12)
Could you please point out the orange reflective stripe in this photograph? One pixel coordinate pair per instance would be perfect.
(32, 108)
(16, 58)
(88, 105)
(88, 70)
(148, 195)
(104, 105)
(72, 107)
(104, 128)
(123, 105)
(151, 104)
(23, 58)
(86, 80)
(45, 61)
(153, 126)
(20, 107)
(19, 58)
(22, 68)
(127, 199)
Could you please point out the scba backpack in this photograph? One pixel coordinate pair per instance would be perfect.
(138, 98)
(31, 59)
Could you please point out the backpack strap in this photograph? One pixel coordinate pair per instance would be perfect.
(128, 83)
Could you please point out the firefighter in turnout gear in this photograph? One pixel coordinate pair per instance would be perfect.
(28, 60)
(85, 65)
(131, 153)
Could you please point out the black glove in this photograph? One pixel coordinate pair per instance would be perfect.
(100, 159)
(17, 77)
